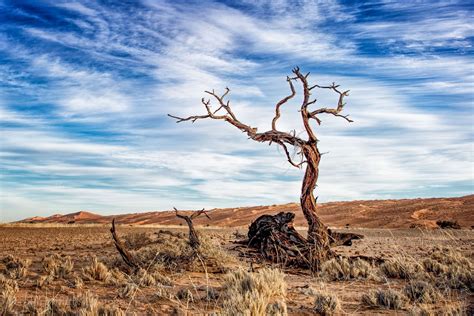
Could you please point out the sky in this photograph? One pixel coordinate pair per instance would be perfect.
(86, 86)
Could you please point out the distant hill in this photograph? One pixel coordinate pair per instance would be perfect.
(369, 214)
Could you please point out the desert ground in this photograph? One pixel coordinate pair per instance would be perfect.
(76, 270)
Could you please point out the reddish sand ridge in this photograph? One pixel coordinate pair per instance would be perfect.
(370, 214)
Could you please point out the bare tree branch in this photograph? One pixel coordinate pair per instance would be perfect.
(283, 101)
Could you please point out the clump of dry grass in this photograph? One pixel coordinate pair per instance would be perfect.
(277, 308)
(326, 303)
(86, 304)
(58, 267)
(401, 268)
(342, 269)
(421, 292)
(96, 271)
(15, 268)
(8, 290)
(128, 290)
(248, 293)
(388, 299)
(185, 295)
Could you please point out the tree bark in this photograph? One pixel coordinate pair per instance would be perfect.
(318, 236)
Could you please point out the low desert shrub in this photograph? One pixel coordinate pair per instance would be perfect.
(421, 292)
(251, 293)
(450, 268)
(96, 271)
(326, 303)
(343, 269)
(388, 299)
(15, 268)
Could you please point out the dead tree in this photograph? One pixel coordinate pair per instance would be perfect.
(194, 242)
(316, 247)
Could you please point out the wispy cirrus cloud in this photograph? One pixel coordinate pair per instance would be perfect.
(87, 87)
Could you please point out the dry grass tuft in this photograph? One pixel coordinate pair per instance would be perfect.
(388, 299)
(58, 267)
(278, 308)
(247, 293)
(15, 268)
(128, 290)
(342, 269)
(96, 271)
(421, 292)
(86, 304)
(53, 308)
(326, 303)
(8, 290)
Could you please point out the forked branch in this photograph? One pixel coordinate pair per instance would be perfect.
(193, 236)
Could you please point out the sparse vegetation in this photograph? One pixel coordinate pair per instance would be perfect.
(168, 284)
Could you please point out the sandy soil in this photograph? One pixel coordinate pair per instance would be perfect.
(84, 242)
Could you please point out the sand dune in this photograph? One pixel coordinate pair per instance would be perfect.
(369, 214)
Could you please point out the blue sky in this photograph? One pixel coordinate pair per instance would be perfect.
(86, 86)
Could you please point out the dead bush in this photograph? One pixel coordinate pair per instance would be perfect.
(171, 252)
(137, 240)
(326, 303)
(96, 271)
(388, 299)
(250, 293)
(342, 269)
(15, 268)
(421, 292)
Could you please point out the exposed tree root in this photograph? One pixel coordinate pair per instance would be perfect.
(277, 240)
